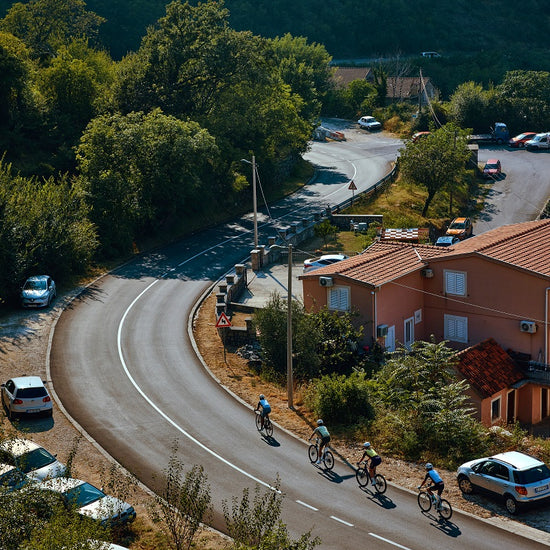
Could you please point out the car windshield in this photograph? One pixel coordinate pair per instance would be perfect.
(491, 166)
(457, 225)
(33, 460)
(35, 284)
(533, 475)
(30, 393)
(83, 494)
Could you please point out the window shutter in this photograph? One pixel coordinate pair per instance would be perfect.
(338, 298)
(455, 283)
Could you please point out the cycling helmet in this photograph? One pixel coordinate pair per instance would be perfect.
(262, 396)
(320, 422)
(429, 466)
(366, 444)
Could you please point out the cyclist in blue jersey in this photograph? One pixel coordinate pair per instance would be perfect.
(321, 429)
(436, 483)
(265, 408)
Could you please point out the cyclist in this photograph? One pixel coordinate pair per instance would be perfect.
(265, 406)
(321, 429)
(375, 460)
(436, 483)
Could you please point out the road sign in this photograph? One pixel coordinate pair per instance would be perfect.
(223, 321)
(352, 186)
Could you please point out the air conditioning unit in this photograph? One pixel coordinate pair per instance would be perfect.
(427, 273)
(381, 330)
(528, 326)
(325, 281)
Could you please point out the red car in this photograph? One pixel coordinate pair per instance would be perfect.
(519, 140)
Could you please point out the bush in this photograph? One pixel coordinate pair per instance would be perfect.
(340, 399)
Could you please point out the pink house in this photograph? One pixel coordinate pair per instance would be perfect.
(494, 285)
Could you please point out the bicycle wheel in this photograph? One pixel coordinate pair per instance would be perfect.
(268, 427)
(380, 483)
(328, 460)
(259, 422)
(362, 477)
(424, 501)
(312, 453)
(445, 510)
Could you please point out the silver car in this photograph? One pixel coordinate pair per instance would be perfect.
(31, 459)
(327, 259)
(38, 291)
(26, 395)
(516, 477)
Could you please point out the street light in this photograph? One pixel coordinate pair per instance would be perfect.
(254, 198)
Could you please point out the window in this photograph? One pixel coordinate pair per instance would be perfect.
(456, 328)
(455, 283)
(495, 409)
(409, 332)
(338, 298)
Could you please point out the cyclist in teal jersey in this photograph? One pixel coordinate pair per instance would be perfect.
(321, 429)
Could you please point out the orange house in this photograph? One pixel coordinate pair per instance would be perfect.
(494, 285)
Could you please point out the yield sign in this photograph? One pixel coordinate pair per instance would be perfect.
(223, 321)
(352, 186)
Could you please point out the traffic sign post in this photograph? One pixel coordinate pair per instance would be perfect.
(353, 188)
(223, 322)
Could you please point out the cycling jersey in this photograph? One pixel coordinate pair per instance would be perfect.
(322, 431)
(266, 407)
(433, 476)
(370, 452)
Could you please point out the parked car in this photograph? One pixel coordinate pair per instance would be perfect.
(26, 395)
(90, 501)
(447, 240)
(326, 259)
(31, 459)
(519, 140)
(516, 477)
(369, 123)
(461, 228)
(492, 169)
(540, 141)
(11, 478)
(38, 291)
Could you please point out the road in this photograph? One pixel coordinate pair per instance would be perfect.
(123, 362)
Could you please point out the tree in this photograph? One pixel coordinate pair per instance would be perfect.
(436, 161)
(471, 106)
(325, 230)
(183, 502)
(256, 524)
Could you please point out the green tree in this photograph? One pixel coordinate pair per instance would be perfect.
(255, 524)
(436, 161)
(183, 502)
(471, 106)
(325, 230)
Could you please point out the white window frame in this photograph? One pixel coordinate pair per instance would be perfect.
(338, 298)
(499, 401)
(410, 323)
(455, 282)
(455, 328)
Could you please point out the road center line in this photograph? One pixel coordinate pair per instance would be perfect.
(389, 541)
(341, 521)
(308, 506)
(167, 418)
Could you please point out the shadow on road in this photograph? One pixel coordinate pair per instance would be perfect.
(271, 441)
(381, 500)
(447, 527)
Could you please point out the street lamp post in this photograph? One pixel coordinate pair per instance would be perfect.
(254, 200)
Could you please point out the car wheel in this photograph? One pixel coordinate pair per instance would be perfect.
(465, 485)
(511, 504)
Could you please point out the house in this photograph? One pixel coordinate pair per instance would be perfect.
(493, 285)
(500, 391)
(398, 88)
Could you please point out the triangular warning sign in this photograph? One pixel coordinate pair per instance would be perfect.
(223, 321)
(352, 186)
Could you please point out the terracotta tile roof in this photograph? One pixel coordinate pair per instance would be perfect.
(524, 245)
(382, 262)
(344, 75)
(488, 368)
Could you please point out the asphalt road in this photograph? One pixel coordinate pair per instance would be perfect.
(124, 365)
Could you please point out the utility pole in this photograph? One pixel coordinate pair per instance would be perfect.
(254, 201)
(289, 374)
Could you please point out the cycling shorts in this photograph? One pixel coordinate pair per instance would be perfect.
(266, 411)
(325, 440)
(374, 461)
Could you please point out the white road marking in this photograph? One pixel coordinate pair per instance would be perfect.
(389, 541)
(308, 506)
(341, 521)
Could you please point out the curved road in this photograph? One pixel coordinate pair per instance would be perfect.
(123, 362)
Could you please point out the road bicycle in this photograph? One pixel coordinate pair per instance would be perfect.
(268, 426)
(363, 478)
(327, 458)
(426, 500)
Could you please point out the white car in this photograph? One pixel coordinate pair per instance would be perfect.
(369, 123)
(326, 259)
(11, 478)
(38, 291)
(540, 141)
(90, 501)
(31, 459)
(26, 395)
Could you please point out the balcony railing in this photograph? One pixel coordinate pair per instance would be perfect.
(538, 371)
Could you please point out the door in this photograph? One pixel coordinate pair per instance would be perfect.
(511, 407)
(409, 332)
(544, 402)
(390, 339)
